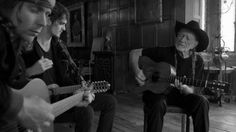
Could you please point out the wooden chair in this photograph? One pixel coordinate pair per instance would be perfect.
(185, 120)
(87, 68)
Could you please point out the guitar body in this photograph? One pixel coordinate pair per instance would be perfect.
(154, 73)
(159, 76)
(37, 87)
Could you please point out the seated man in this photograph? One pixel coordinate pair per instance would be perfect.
(50, 60)
(189, 39)
(20, 22)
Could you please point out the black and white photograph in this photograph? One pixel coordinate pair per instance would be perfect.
(117, 66)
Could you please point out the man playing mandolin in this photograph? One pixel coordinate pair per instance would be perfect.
(189, 40)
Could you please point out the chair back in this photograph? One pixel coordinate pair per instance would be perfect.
(97, 45)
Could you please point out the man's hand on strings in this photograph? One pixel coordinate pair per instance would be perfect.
(184, 89)
(88, 95)
(40, 66)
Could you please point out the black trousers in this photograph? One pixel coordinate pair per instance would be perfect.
(83, 116)
(155, 106)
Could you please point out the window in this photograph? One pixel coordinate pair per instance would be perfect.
(227, 24)
(203, 14)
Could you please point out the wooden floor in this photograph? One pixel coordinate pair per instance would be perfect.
(129, 117)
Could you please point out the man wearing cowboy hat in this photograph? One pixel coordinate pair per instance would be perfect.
(189, 40)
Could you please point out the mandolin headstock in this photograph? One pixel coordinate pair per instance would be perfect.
(101, 86)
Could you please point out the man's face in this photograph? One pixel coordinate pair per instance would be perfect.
(185, 40)
(58, 27)
(29, 19)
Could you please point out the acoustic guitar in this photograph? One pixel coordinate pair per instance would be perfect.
(158, 78)
(38, 88)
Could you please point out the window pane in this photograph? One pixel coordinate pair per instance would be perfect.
(203, 16)
(227, 23)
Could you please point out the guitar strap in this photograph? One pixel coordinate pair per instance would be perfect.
(194, 59)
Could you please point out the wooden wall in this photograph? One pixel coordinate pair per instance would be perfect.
(128, 31)
(120, 18)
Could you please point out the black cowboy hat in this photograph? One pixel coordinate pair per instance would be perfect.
(201, 35)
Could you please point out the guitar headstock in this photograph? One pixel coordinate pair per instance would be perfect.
(101, 86)
(218, 86)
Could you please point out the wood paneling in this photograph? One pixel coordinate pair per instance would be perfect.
(168, 8)
(113, 17)
(118, 12)
(148, 35)
(123, 37)
(135, 34)
(165, 34)
(104, 19)
(121, 70)
(114, 3)
(124, 3)
(148, 10)
(124, 15)
(104, 4)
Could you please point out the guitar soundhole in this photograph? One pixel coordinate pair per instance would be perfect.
(155, 76)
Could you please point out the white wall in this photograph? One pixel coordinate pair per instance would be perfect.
(193, 10)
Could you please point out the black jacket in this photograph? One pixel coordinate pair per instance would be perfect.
(10, 102)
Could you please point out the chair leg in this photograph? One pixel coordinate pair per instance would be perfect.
(187, 124)
(183, 122)
(145, 123)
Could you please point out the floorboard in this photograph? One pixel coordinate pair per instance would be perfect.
(129, 117)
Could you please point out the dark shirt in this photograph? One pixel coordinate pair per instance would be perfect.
(49, 75)
(184, 67)
(65, 70)
(10, 102)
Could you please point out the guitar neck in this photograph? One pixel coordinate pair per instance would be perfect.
(65, 104)
(65, 89)
(189, 81)
(98, 85)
